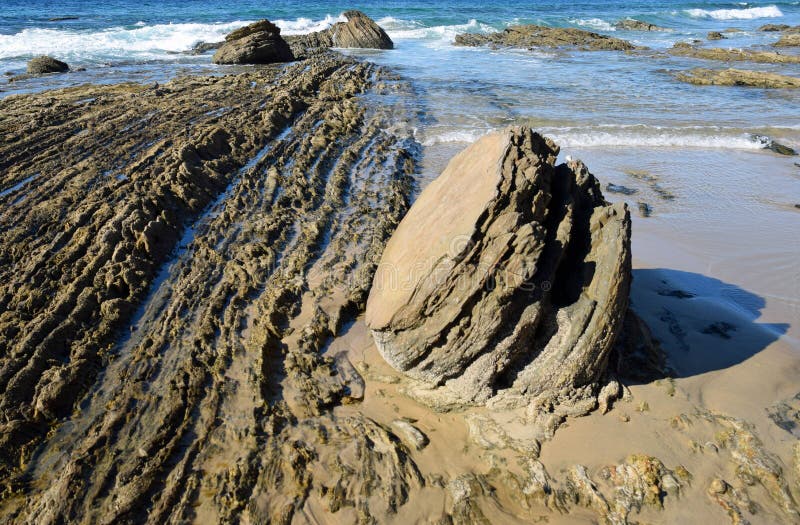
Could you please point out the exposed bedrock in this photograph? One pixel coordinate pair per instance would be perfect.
(509, 277)
(732, 55)
(737, 77)
(257, 43)
(191, 382)
(359, 31)
(631, 24)
(535, 36)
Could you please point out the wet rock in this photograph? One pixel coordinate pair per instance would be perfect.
(44, 64)
(257, 43)
(732, 55)
(201, 48)
(792, 40)
(645, 210)
(779, 27)
(617, 188)
(772, 145)
(534, 36)
(631, 24)
(715, 35)
(62, 18)
(411, 434)
(359, 31)
(737, 77)
(504, 295)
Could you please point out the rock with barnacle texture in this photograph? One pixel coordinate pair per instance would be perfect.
(535, 36)
(509, 275)
(257, 43)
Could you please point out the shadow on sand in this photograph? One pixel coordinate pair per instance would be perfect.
(703, 324)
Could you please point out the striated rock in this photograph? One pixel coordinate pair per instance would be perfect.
(531, 36)
(45, 64)
(257, 43)
(791, 40)
(359, 31)
(715, 35)
(517, 280)
(631, 24)
(732, 55)
(737, 77)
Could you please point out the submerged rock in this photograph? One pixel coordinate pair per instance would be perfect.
(631, 24)
(201, 48)
(773, 145)
(517, 280)
(45, 64)
(737, 77)
(545, 37)
(359, 31)
(258, 43)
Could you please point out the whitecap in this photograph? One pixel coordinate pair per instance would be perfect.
(595, 23)
(749, 13)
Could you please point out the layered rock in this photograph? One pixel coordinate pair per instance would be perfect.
(359, 31)
(45, 64)
(258, 43)
(631, 24)
(535, 36)
(509, 275)
(737, 77)
(732, 55)
(779, 27)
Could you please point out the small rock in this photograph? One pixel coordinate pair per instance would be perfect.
(45, 64)
(617, 188)
(631, 24)
(644, 209)
(411, 434)
(715, 35)
(718, 486)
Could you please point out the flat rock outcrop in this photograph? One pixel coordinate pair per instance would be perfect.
(788, 40)
(44, 64)
(535, 36)
(359, 31)
(257, 43)
(508, 274)
(631, 24)
(732, 55)
(737, 77)
(786, 28)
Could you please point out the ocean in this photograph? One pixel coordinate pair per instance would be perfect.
(619, 112)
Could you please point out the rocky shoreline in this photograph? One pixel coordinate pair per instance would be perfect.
(225, 300)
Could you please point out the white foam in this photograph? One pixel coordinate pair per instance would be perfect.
(622, 136)
(141, 42)
(595, 23)
(749, 13)
(664, 139)
(444, 34)
(303, 26)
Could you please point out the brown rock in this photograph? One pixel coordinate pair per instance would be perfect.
(509, 273)
(359, 31)
(545, 37)
(732, 55)
(258, 43)
(789, 40)
(630, 24)
(716, 35)
(737, 77)
(45, 64)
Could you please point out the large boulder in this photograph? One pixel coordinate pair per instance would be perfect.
(45, 64)
(508, 277)
(257, 43)
(359, 31)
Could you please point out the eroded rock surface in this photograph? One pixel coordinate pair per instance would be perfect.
(257, 43)
(200, 260)
(509, 277)
(359, 31)
(790, 40)
(535, 36)
(737, 77)
(732, 55)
